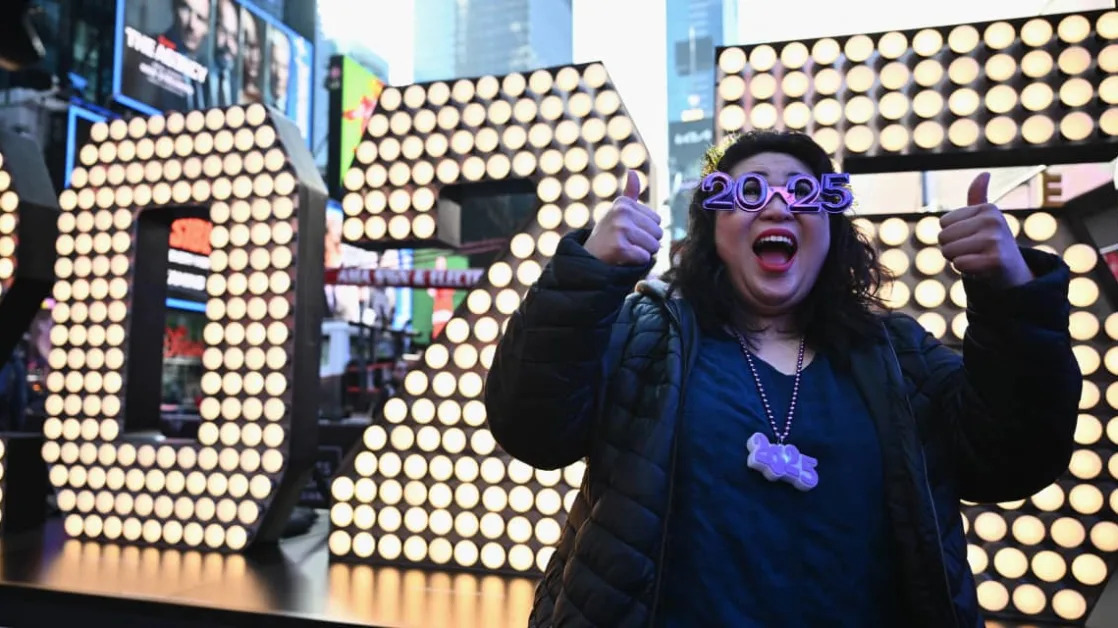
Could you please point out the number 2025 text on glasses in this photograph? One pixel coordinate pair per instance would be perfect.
(803, 193)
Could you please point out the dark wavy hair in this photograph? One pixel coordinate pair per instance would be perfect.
(838, 313)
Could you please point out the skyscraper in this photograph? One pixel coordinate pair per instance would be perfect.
(468, 38)
(695, 28)
(436, 39)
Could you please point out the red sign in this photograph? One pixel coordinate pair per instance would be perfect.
(416, 278)
(1112, 261)
(191, 234)
(177, 343)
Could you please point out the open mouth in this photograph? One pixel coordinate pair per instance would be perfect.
(775, 248)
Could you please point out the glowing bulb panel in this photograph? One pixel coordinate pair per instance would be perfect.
(247, 171)
(428, 486)
(1045, 559)
(942, 97)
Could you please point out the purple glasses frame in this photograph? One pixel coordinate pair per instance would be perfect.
(832, 194)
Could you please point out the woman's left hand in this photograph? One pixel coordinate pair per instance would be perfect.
(977, 240)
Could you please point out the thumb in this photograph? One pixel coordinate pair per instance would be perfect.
(977, 193)
(632, 185)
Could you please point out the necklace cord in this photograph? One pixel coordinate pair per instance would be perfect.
(780, 436)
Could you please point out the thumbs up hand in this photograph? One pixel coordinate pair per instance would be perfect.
(629, 233)
(977, 240)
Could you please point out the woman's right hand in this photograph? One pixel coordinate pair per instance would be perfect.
(629, 234)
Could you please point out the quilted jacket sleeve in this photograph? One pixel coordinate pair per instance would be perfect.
(1010, 403)
(541, 390)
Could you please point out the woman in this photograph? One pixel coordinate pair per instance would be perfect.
(669, 396)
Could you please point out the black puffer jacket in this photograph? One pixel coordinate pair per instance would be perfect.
(994, 426)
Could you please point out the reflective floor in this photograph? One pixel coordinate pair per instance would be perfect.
(297, 581)
(295, 585)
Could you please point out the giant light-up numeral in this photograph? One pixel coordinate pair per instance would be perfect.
(1031, 89)
(28, 216)
(431, 487)
(1048, 557)
(249, 170)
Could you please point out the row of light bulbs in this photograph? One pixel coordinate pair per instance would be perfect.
(929, 134)
(965, 39)
(1013, 553)
(864, 94)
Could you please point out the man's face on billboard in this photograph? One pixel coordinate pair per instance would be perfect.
(281, 61)
(227, 46)
(252, 47)
(193, 20)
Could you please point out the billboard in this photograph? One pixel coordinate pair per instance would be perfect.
(354, 91)
(1111, 259)
(183, 345)
(188, 263)
(689, 143)
(79, 120)
(178, 55)
(379, 306)
(433, 307)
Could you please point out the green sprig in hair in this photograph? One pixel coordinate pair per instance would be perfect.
(714, 154)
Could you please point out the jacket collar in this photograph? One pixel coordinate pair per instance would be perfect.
(655, 288)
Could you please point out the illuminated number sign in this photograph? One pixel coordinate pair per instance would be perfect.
(28, 223)
(1014, 92)
(1046, 556)
(430, 485)
(251, 175)
(944, 97)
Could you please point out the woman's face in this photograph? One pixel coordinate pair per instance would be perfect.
(773, 255)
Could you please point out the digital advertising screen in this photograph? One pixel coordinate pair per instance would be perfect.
(354, 91)
(390, 307)
(178, 55)
(188, 263)
(183, 345)
(433, 307)
(79, 120)
(688, 143)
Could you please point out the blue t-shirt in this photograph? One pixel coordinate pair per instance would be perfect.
(744, 551)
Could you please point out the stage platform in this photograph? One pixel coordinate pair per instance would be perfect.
(48, 580)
